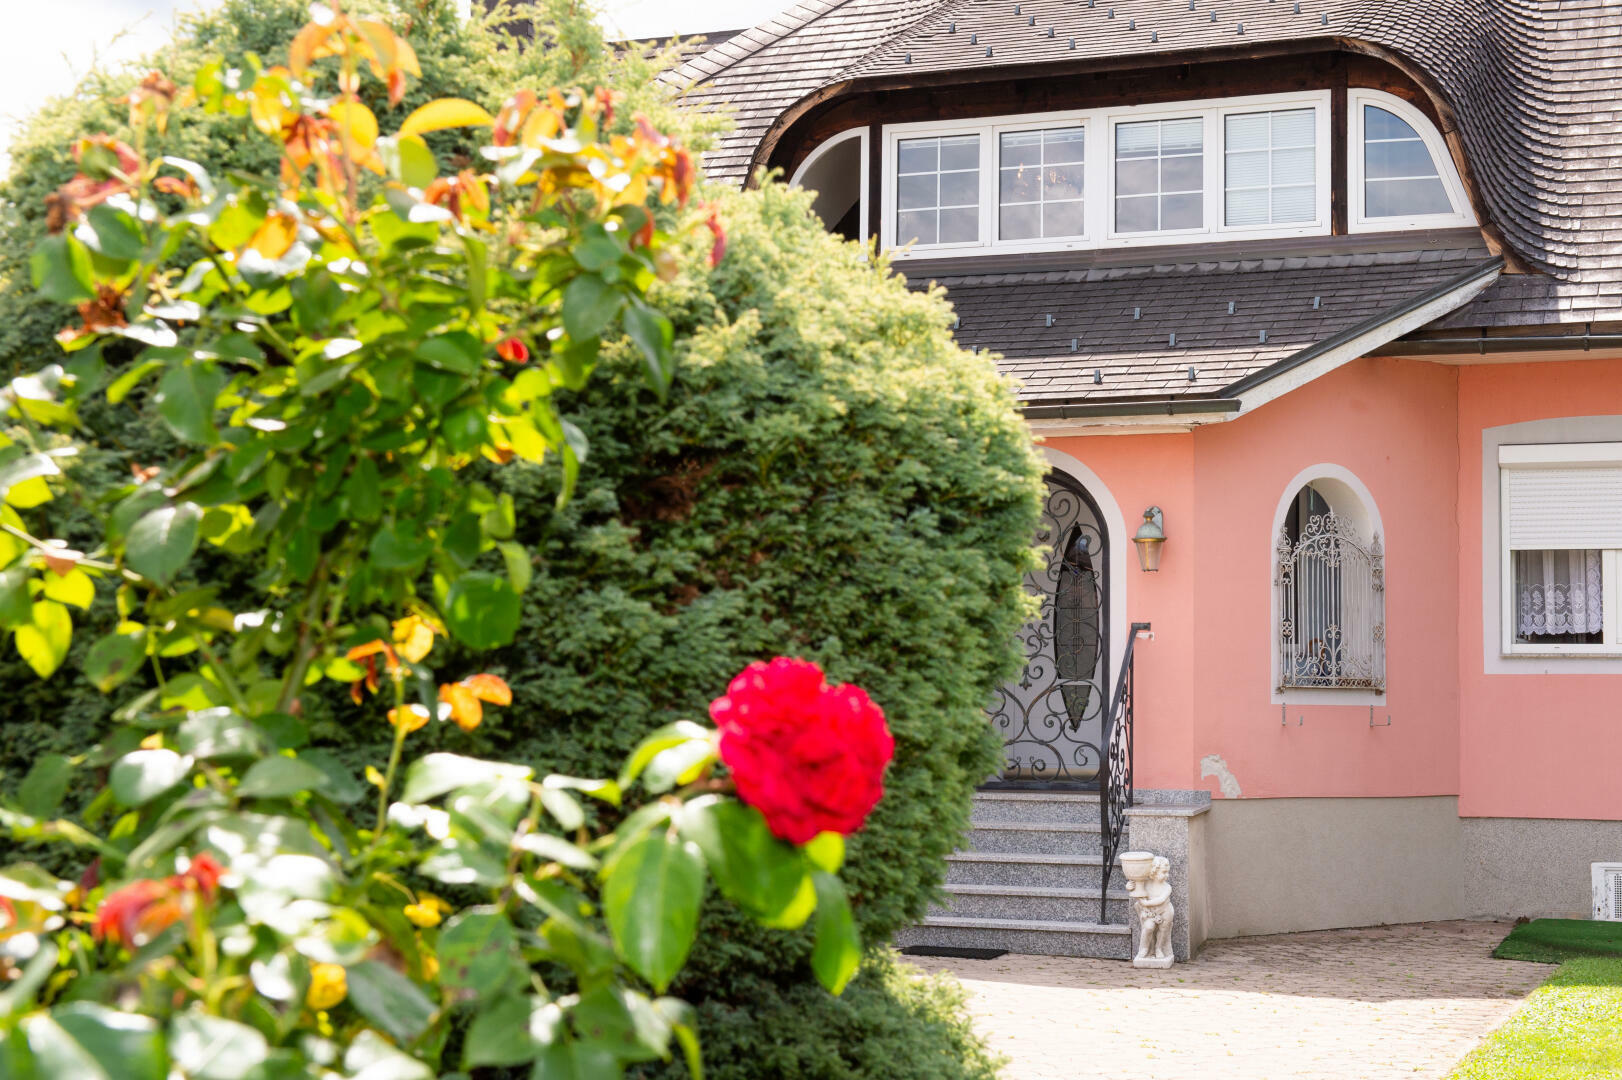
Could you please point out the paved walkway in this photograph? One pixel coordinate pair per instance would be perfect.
(1398, 1001)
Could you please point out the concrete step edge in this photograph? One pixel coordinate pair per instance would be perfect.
(972, 923)
(1027, 857)
(1036, 796)
(1036, 826)
(1056, 892)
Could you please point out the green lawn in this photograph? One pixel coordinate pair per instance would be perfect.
(1569, 1029)
(1550, 941)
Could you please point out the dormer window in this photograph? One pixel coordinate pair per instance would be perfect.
(1256, 167)
(1402, 176)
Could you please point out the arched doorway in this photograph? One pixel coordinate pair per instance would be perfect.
(1052, 717)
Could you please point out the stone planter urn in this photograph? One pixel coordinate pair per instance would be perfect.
(1147, 884)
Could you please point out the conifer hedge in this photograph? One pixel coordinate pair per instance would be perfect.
(832, 477)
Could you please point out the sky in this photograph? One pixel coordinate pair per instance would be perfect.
(49, 45)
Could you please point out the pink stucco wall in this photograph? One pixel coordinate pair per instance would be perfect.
(1533, 745)
(1508, 745)
(1204, 683)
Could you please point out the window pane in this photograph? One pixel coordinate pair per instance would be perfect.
(1405, 159)
(1380, 124)
(1064, 144)
(1182, 135)
(1182, 173)
(1020, 185)
(932, 176)
(917, 155)
(1248, 207)
(1136, 177)
(1137, 214)
(1022, 222)
(912, 192)
(1063, 219)
(1137, 140)
(960, 152)
(1404, 198)
(1021, 148)
(916, 226)
(1064, 181)
(1272, 155)
(1182, 211)
(1559, 597)
(1295, 204)
(960, 226)
(960, 188)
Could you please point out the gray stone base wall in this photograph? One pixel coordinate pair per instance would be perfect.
(1284, 865)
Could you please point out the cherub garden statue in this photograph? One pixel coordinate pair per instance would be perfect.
(1150, 890)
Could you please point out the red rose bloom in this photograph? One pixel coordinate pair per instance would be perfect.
(808, 756)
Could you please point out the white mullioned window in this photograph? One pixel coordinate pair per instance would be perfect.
(1401, 175)
(1560, 506)
(1119, 177)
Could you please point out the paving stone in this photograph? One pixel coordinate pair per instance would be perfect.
(1369, 1004)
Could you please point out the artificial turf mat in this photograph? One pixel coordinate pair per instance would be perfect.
(1551, 941)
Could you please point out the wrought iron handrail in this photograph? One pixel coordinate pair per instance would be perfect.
(1115, 772)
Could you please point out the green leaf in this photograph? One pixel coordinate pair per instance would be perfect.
(838, 949)
(142, 775)
(751, 867)
(186, 397)
(458, 352)
(60, 267)
(390, 1000)
(434, 774)
(163, 540)
(127, 1045)
(43, 641)
(16, 608)
(410, 161)
(482, 611)
(213, 1048)
(111, 232)
(210, 734)
(500, 1034)
(682, 731)
(363, 490)
(589, 303)
(279, 777)
(654, 335)
(398, 546)
(130, 378)
(651, 898)
(681, 764)
(74, 587)
(520, 572)
(478, 953)
(45, 785)
(113, 659)
(464, 430)
(28, 467)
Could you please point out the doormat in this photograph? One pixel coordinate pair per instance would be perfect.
(953, 953)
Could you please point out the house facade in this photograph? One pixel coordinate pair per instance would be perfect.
(1330, 296)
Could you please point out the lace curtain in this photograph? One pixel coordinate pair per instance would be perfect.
(1558, 593)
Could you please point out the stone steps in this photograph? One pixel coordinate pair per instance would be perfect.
(1027, 881)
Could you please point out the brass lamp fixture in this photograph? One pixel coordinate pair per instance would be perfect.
(1150, 538)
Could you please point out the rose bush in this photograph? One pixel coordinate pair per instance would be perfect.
(808, 756)
(331, 348)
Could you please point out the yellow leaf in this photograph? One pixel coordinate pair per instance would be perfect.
(445, 113)
(76, 588)
(29, 493)
(275, 236)
(356, 121)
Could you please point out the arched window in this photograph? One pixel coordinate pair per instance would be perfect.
(837, 172)
(1329, 590)
(1401, 174)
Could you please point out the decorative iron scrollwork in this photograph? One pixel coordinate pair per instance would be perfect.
(1052, 717)
(1331, 607)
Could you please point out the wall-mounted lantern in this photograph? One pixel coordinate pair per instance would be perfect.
(1150, 538)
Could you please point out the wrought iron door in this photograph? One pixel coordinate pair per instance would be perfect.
(1052, 718)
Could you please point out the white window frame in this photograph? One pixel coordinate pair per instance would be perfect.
(1556, 455)
(822, 148)
(1356, 220)
(1099, 171)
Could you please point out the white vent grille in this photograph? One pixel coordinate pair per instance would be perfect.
(1607, 888)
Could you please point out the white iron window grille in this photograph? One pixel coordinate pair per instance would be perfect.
(1331, 607)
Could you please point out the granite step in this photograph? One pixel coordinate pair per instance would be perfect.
(1036, 838)
(1033, 806)
(1035, 937)
(1035, 871)
(1028, 903)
